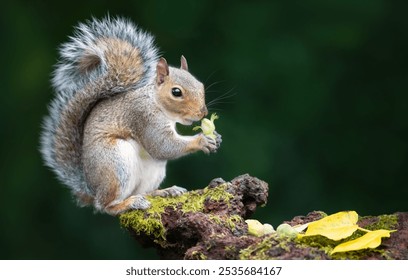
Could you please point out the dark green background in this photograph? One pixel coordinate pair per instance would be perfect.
(318, 109)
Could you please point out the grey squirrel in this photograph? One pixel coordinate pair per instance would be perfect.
(111, 126)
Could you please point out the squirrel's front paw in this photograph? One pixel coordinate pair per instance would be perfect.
(210, 145)
(218, 139)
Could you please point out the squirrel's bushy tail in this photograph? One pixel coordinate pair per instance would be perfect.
(103, 58)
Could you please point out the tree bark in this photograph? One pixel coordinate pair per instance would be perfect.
(210, 224)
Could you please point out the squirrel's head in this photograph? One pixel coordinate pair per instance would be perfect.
(181, 95)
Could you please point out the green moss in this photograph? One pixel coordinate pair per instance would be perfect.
(225, 220)
(230, 249)
(149, 221)
(317, 241)
(327, 245)
(259, 250)
(284, 243)
(389, 222)
(232, 220)
(198, 256)
(194, 201)
(215, 218)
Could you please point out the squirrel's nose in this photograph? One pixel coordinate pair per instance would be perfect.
(204, 111)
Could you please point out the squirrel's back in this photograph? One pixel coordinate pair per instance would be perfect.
(102, 59)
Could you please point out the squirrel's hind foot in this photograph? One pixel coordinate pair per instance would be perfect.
(172, 191)
(132, 202)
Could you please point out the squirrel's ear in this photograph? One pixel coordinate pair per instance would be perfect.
(162, 70)
(184, 64)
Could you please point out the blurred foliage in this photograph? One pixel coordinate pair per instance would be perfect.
(317, 107)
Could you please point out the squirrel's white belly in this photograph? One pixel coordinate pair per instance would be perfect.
(145, 173)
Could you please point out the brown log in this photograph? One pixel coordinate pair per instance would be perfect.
(210, 224)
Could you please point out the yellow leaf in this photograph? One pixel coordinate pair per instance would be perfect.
(300, 228)
(335, 227)
(371, 239)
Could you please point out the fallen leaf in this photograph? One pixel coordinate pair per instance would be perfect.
(371, 239)
(300, 228)
(335, 227)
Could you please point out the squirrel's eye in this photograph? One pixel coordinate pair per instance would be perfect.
(176, 92)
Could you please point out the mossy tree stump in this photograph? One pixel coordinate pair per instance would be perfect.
(210, 224)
